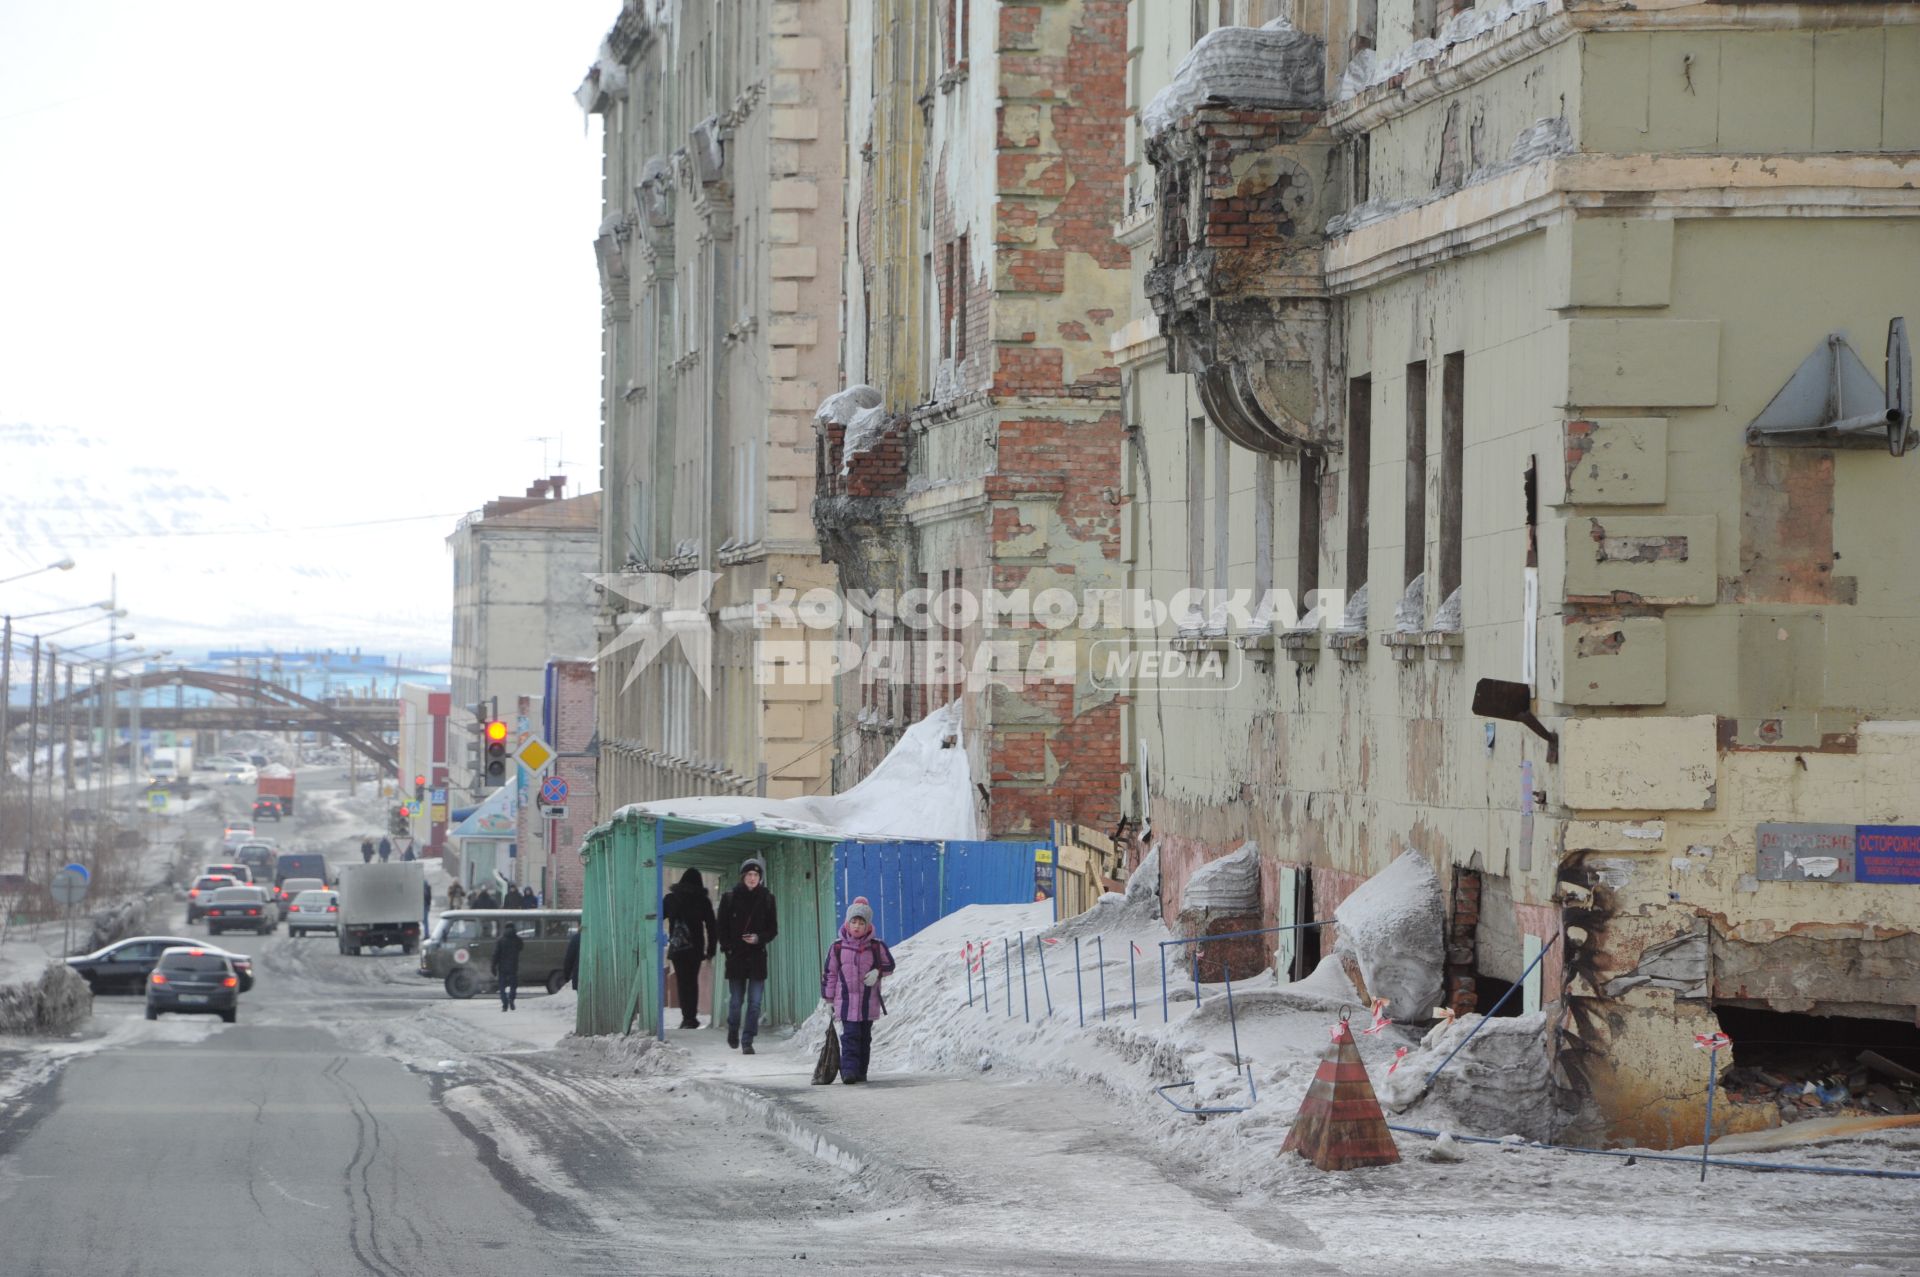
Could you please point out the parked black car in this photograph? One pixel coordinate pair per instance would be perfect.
(195, 981)
(125, 965)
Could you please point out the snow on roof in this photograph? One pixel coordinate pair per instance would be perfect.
(923, 788)
(1270, 66)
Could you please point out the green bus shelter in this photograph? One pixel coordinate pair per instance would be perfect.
(633, 858)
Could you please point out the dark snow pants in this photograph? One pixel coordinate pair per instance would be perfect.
(686, 978)
(856, 1044)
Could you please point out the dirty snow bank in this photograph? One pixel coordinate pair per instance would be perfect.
(56, 1002)
(923, 788)
(1500, 1083)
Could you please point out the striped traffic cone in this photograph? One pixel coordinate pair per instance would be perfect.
(1340, 1126)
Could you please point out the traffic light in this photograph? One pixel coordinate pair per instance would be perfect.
(496, 747)
(397, 822)
(419, 788)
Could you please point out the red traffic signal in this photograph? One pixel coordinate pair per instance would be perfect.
(418, 781)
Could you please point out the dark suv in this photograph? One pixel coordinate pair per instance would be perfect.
(194, 982)
(302, 864)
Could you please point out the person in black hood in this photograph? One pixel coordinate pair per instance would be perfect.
(748, 924)
(506, 964)
(691, 938)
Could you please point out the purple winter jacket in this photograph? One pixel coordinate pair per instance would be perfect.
(843, 985)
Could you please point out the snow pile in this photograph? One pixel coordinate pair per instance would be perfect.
(1229, 885)
(1138, 910)
(1500, 1083)
(636, 1055)
(1410, 613)
(923, 788)
(841, 407)
(1270, 66)
(1393, 929)
(55, 1003)
(1368, 69)
(863, 432)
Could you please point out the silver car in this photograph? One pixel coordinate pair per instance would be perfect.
(314, 911)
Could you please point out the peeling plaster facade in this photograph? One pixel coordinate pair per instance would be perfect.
(1558, 265)
(719, 270)
(982, 288)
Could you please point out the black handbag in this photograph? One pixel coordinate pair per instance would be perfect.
(827, 1067)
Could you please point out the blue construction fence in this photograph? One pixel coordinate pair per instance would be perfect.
(912, 885)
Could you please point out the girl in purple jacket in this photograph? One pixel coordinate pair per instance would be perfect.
(851, 986)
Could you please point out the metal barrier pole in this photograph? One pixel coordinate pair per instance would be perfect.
(1026, 1002)
(1165, 1015)
(1100, 956)
(1502, 1001)
(1043, 974)
(986, 1002)
(1194, 958)
(1078, 996)
(966, 960)
(1234, 1020)
(1133, 982)
(1706, 1136)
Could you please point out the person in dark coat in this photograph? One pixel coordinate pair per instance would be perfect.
(570, 965)
(408, 853)
(748, 923)
(386, 849)
(426, 905)
(483, 899)
(506, 965)
(689, 904)
(366, 850)
(512, 899)
(851, 985)
(456, 896)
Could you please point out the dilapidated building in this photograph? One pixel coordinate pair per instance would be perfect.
(1549, 348)
(719, 273)
(977, 446)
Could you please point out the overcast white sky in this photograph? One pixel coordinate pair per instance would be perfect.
(329, 263)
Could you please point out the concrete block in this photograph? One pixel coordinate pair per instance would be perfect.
(1766, 91)
(783, 495)
(1613, 91)
(781, 721)
(793, 330)
(795, 124)
(1653, 559)
(1616, 461)
(1613, 661)
(1639, 764)
(1643, 363)
(783, 297)
(1849, 70)
(1613, 261)
(793, 193)
(801, 262)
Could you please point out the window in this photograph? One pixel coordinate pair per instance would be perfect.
(946, 301)
(1308, 573)
(1196, 507)
(962, 258)
(1221, 504)
(959, 30)
(1359, 472)
(1453, 392)
(926, 327)
(1414, 552)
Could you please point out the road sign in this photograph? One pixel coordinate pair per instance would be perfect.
(69, 888)
(534, 754)
(554, 813)
(553, 789)
(437, 796)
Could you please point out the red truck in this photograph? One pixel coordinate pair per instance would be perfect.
(273, 797)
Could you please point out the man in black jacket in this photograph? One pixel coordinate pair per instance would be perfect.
(691, 938)
(748, 924)
(506, 964)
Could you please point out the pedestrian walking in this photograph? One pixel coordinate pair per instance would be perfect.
(456, 897)
(366, 850)
(386, 849)
(426, 905)
(748, 922)
(692, 935)
(514, 899)
(408, 854)
(483, 899)
(506, 965)
(570, 965)
(851, 985)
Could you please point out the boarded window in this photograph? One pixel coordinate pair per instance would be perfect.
(1453, 392)
(959, 285)
(1308, 576)
(1414, 555)
(1359, 476)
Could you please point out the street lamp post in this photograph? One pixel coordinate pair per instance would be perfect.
(63, 565)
